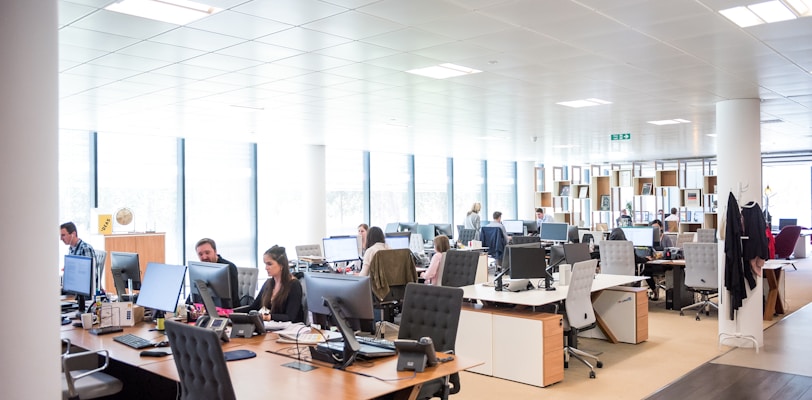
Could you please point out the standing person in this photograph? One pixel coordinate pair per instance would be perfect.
(497, 222)
(280, 298)
(472, 218)
(441, 246)
(207, 252)
(375, 241)
(362, 237)
(78, 247)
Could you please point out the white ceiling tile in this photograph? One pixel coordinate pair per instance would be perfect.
(412, 12)
(238, 24)
(196, 39)
(313, 62)
(254, 50)
(361, 71)
(514, 39)
(286, 86)
(117, 60)
(305, 40)
(93, 40)
(188, 71)
(91, 70)
(274, 71)
(321, 79)
(70, 12)
(293, 12)
(354, 25)
(465, 26)
(159, 80)
(408, 39)
(221, 62)
(160, 51)
(357, 51)
(123, 24)
(456, 51)
(349, 3)
(78, 54)
(404, 62)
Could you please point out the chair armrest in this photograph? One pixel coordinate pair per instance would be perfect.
(66, 342)
(69, 362)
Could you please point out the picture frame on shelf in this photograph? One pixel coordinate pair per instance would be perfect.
(692, 197)
(565, 191)
(583, 192)
(646, 189)
(605, 202)
(625, 178)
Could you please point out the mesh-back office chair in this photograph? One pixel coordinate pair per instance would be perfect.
(578, 312)
(389, 272)
(466, 235)
(617, 257)
(785, 242)
(200, 362)
(247, 284)
(433, 311)
(685, 237)
(78, 382)
(459, 268)
(493, 239)
(706, 235)
(701, 266)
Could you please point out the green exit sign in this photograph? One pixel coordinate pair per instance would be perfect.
(621, 136)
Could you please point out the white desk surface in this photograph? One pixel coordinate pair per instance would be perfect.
(539, 297)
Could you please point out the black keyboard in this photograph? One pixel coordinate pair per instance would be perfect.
(105, 330)
(133, 341)
(372, 341)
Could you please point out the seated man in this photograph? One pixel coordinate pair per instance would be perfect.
(207, 252)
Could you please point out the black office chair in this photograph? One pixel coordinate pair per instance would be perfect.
(493, 239)
(201, 365)
(524, 239)
(459, 268)
(433, 311)
(389, 272)
(466, 235)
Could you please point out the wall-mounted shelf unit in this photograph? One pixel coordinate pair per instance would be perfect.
(666, 178)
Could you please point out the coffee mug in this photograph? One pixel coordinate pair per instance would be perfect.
(88, 320)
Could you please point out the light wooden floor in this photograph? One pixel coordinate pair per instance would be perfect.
(677, 347)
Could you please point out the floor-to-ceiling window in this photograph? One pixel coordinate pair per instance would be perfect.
(75, 182)
(789, 195)
(219, 181)
(389, 182)
(468, 188)
(431, 189)
(502, 188)
(344, 172)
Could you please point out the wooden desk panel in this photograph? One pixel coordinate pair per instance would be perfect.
(151, 247)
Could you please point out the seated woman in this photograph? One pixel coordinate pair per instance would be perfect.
(618, 234)
(441, 246)
(375, 241)
(280, 298)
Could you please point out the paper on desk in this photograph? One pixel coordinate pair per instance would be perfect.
(278, 325)
(299, 333)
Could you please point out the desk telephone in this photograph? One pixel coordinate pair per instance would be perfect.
(216, 324)
(415, 355)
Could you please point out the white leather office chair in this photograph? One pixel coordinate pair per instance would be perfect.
(706, 235)
(313, 250)
(701, 275)
(685, 237)
(617, 257)
(83, 377)
(579, 314)
(247, 284)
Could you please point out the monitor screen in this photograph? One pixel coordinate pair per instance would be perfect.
(554, 231)
(354, 294)
(397, 242)
(531, 225)
(218, 280)
(576, 252)
(77, 278)
(162, 286)
(506, 259)
(640, 237)
(427, 231)
(514, 227)
(129, 267)
(444, 229)
(343, 248)
(782, 222)
(527, 263)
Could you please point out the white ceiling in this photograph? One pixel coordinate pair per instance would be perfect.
(332, 72)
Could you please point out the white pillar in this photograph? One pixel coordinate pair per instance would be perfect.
(738, 144)
(29, 344)
(525, 194)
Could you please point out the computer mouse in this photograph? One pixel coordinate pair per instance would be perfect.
(162, 344)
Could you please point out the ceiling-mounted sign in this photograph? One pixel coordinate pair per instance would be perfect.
(621, 136)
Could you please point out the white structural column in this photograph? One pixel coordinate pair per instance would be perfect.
(525, 190)
(738, 144)
(29, 198)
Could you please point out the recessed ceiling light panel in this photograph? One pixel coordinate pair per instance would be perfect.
(772, 11)
(742, 16)
(180, 12)
(444, 71)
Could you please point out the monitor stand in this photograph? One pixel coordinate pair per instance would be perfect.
(208, 301)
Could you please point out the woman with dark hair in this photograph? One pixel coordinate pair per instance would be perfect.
(375, 241)
(280, 298)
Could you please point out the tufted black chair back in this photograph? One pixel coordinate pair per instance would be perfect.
(433, 311)
(459, 268)
(200, 362)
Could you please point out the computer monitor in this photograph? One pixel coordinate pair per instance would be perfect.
(162, 286)
(554, 231)
(557, 256)
(407, 227)
(398, 242)
(354, 294)
(527, 263)
(514, 227)
(125, 268)
(640, 236)
(340, 248)
(782, 222)
(427, 231)
(444, 229)
(576, 252)
(77, 279)
(532, 226)
(506, 257)
(217, 279)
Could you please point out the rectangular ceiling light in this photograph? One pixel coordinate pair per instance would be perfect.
(742, 16)
(584, 103)
(772, 11)
(801, 7)
(444, 71)
(669, 121)
(180, 12)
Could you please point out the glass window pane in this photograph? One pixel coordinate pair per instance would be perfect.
(389, 188)
(219, 199)
(74, 186)
(431, 189)
(141, 173)
(502, 188)
(468, 182)
(345, 190)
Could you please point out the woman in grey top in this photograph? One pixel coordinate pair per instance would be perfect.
(472, 219)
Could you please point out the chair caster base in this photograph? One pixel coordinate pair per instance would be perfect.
(681, 313)
(591, 374)
(600, 364)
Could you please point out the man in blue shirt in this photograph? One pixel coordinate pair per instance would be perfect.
(542, 217)
(78, 247)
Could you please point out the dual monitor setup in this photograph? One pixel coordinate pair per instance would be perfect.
(347, 248)
(427, 231)
(527, 262)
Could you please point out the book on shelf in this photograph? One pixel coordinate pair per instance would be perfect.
(565, 191)
(583, 191)
(646, 190)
